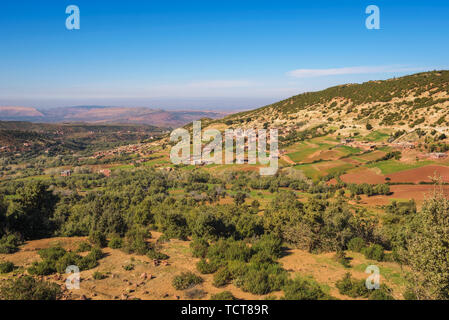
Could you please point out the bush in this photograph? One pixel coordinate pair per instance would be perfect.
(128, 267)
(186, 280)
(229, 250)
(205, 267)
(27, 288)
(352, 288)
(97, 238)
(43, 268)
(68, 259)
(174, 225)
(83, 247)
(6, 267)
(199, 248)
(374, 252)
(225, 295)
(255, 281)
(304, 289)
(53, 253)
(270, 245)
(237, 268)
(56, 259)
(356, 244)
(99, 276)
(95, 254)
(153, 254)
(383, 293)
(9, 244)
(222, 277)
(135, 241)
(115, 243)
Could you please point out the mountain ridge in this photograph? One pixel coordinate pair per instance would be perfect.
(415, 101)
(105, 114)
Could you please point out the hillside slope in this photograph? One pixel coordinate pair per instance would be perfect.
(415, 101)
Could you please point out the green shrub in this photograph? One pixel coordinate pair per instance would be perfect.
(83, 247)
(269, 245)
(128, 267)
(199, 248)
(374, 252)
(98, 238)
(69, 259)
(98, 276)
(356, 244)
(43, 268)
(351, 287)
(135, 241)
(229, 250)
(255, 281)
(303, 289)
(95, 253)
(225, 295)
(237, 268)
(222, 277)
(6, 267)
(205, 267)
(383, 293)
(53, 253)
(27, 288)
(186, 280)
(9, 244)
(153, 254)
(88, 262)
(115, 243)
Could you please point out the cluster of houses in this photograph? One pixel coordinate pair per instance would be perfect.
(66, 173)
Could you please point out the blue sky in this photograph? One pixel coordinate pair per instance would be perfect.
(209, 54)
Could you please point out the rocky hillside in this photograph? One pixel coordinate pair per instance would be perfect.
(411, 102)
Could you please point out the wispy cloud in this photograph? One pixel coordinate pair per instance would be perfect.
(310, 73)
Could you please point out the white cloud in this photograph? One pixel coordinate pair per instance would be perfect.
(310, 73)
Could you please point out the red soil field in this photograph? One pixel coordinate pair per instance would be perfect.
(420, 174)
(363, 176)
(405, 192)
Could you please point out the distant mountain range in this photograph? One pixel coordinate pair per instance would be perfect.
(105, 114)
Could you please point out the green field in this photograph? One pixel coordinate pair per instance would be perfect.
(376, 136)
(392, 166)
